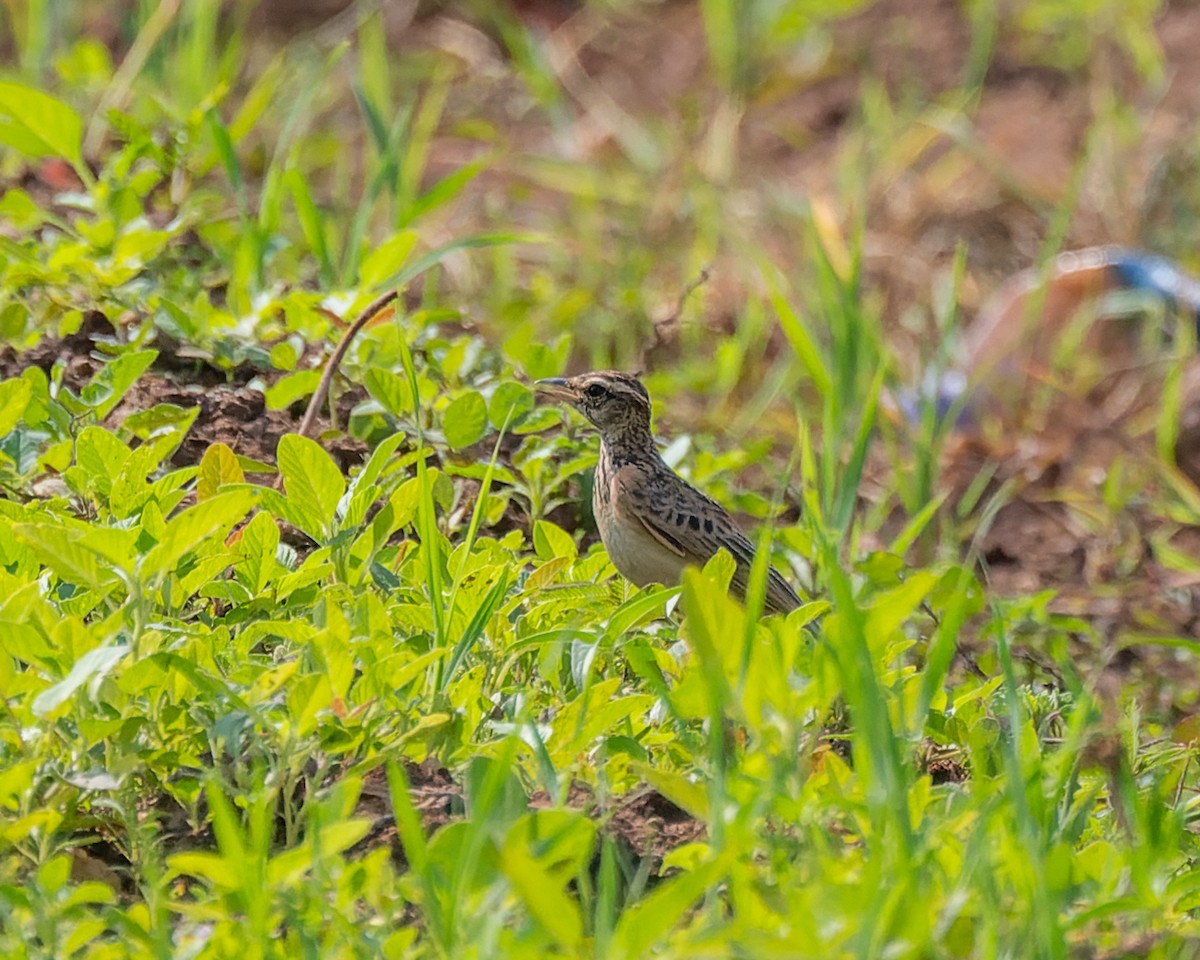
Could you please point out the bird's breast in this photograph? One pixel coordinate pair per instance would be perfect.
(638, 556)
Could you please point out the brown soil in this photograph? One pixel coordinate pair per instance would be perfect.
(230, 411)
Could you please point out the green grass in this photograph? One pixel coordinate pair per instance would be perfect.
(215, 693)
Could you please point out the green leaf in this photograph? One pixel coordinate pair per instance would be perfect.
(800, 338)
(222, 872)
(551, 540)
(85, 558)
(18, 208)
(295, 386)
(228, 155)
(479, 622)
(465, 421)
(257, 547)
(130, 489)
(114, 379)
(891, 609)
(217, 466)
(446, 189)
(93, 664)
(100, 456)
(642, 607)
(685, 793)
(365, 489)
(311, 480)
(416, 267)
(160, 419)
(391, 390)
(21, 447)
(387, 259)
(14, 398)
(208, 519)
(509, 404)
(39, 125)
(311, 222)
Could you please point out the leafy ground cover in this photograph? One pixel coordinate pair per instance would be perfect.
(399, 703)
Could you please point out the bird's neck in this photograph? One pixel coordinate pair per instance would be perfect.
(632, 443)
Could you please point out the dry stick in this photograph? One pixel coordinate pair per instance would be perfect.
(663, 327)
(700, 280)
(373, 309)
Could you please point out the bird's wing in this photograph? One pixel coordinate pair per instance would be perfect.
(694, 527)
(683, 519)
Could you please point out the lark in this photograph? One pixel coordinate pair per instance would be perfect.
(652, 521)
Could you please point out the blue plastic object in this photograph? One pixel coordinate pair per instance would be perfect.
(1137, 270)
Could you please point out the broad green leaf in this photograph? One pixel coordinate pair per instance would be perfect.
(217, 466)
(212, 518)
(18, 208)
(21, 447)
(75, 561)
(889, 611)
(551, 540)
(100, 456)
(160, 419)
(509, 404)
(305, 517)
(364, 489)
(93, 664)
(14, 398)
(391, 390)
(114, 379)
(643, 606)
(130, 489)
(686, 793)
(295, 386)
(45, 820)
(712, 618)
(266, 683)
(291, 866)
(374, 467)
(39, 125)
(387, 259)
(465, 421)
(220, 871)
(15, 780)
(310, 479)
(256, 547)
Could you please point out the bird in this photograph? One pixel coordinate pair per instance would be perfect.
(653, 522)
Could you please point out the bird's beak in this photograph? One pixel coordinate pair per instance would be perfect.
(556, 388)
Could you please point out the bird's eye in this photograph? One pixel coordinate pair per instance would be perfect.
(596, 391)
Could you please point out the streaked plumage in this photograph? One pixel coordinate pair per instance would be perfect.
(653, 523)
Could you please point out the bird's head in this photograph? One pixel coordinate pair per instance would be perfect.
(616, 403)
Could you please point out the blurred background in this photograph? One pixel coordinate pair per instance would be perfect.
(643, 141)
